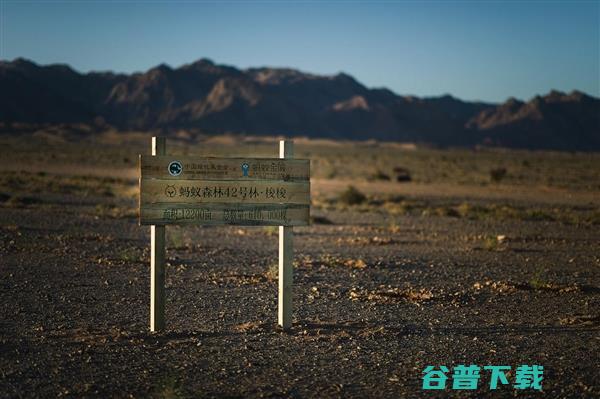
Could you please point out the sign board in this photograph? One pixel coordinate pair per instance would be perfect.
(221, 191)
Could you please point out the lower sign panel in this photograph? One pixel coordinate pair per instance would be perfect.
(223, 214)
(225, 191)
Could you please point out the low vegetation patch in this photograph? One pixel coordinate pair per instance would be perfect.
(402, 174)
(363, 241)
(328, 260)
(272, 273)
(114, 211)
(320, 220)
(352, 196)
(22, 201)
(497, 174)
(494, 243)
(129, 255)
(176, 239)
(536, 283)
(494, 211)
(169, 387)
(391, 294)
(379, 175)
(271, 230)
(44, 183)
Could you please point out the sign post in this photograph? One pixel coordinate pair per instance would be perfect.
(286, 256)
(157, 259)
(193, 190)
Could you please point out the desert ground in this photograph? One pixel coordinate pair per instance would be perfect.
(480, 256)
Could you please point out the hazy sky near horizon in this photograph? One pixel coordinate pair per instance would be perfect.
(473, 50)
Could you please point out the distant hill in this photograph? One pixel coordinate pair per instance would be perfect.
(272, 101)
(556, 120)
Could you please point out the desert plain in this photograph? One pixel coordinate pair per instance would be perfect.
(477, 256)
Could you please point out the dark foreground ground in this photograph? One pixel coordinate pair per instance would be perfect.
(378, 297)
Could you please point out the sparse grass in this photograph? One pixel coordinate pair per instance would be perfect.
(379, 175)
(169, 388)
(272, 273)
(365, 240)
(114, 211)
(129, 255)
(492, 211)
(44, 183)
(328, 260)
(394, 228)
(21, 201)
(248, 326)
(372, 332)
(491, 243)
(593, 218)
(342, 160)
(477, 211)
(440, 211)
(537, 281)
(357, 263)
(332, 174)
(339, 160)
(537, 214)
(271, 230)
(176, 238)
(389, 294)
(399, 208)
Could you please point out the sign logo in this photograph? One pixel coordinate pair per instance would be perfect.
(245, 169)
(170, 191)
(175, 168)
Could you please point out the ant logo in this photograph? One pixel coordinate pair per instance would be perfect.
(175, 168)
(170, 191)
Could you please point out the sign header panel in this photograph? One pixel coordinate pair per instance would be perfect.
(232, 191)
(207, 168)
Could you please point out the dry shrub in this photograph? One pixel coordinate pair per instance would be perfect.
(402, 174)
(392, 294)
(355, 263)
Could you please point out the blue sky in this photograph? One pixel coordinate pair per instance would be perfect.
(473, 50)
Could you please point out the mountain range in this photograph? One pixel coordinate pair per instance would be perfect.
(216, 99)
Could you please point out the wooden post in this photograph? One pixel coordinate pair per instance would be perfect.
(157, 259)
(286, 255)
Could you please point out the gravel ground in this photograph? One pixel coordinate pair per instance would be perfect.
(376, 301)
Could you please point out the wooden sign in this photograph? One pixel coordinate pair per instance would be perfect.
(222, 191)
(240, 191)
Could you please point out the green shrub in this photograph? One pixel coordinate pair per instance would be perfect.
(351, 196)
(497, 174)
